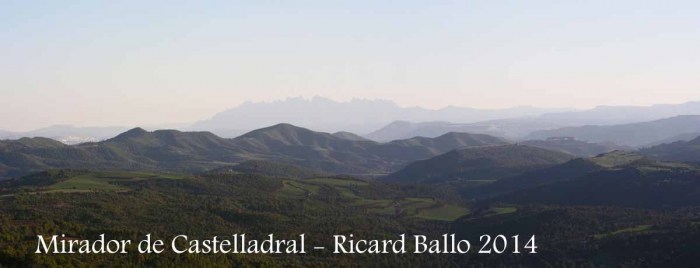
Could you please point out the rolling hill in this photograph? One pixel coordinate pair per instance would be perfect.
(636, 134)
(134, 149)
(479, 163)
(682, 151)
(510, 128)
(621, 179)
(268, 168)
(573, 146)
(199, 151)
(645, 186)
(570, 170)
(327, 152)
(349, 136)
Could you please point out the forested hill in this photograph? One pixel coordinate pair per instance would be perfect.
(197, 151)
(479, 163)
(683, 151)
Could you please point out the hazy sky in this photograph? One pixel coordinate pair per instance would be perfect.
(132, 62)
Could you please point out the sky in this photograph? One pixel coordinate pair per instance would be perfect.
(100, 63)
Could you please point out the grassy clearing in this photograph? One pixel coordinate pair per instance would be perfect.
(347, 193)
(105, 181)
(372, 202)
(424, 208)
(337, 182)
(412, 206)
(616, 159)
(297, 188)
(86, 182)
(443, 213)
(636, 229)
(503, 210)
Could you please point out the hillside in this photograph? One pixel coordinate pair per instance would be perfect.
(324, 151)
(567, 171)
(479, 163)
(571, 170)
(200, 151)
(514, 128)
(644, 186)
(134, 149)
(683, 151)
(112, 202)
(403, 130)
(267, 168)
(349, 136)
(618, 178)
(681, 137)
(419, 148)
(573, 146)
(636, 134)
(278, 137)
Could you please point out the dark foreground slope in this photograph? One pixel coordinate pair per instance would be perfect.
(128, 205)
(615, 179)
(633, 186)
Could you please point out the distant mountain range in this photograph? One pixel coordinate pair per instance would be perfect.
(357, 116)
(615, 115)
(383, 121)
(545, 125)
(508, 128)
(635, 134)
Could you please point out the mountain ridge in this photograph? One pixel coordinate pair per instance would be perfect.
(634, 134)
(479, 163)
(199, 151)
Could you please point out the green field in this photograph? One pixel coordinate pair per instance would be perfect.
(443, 213)
(298, 188)
(105, 181)
(503, 210)
(636, 229)
(413, 205)
(338, 182)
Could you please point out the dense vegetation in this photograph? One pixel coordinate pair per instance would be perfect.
(479, 163)
(573, 146)
(615, 209)
(192, 152)
(684, 151)
(129, 205)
